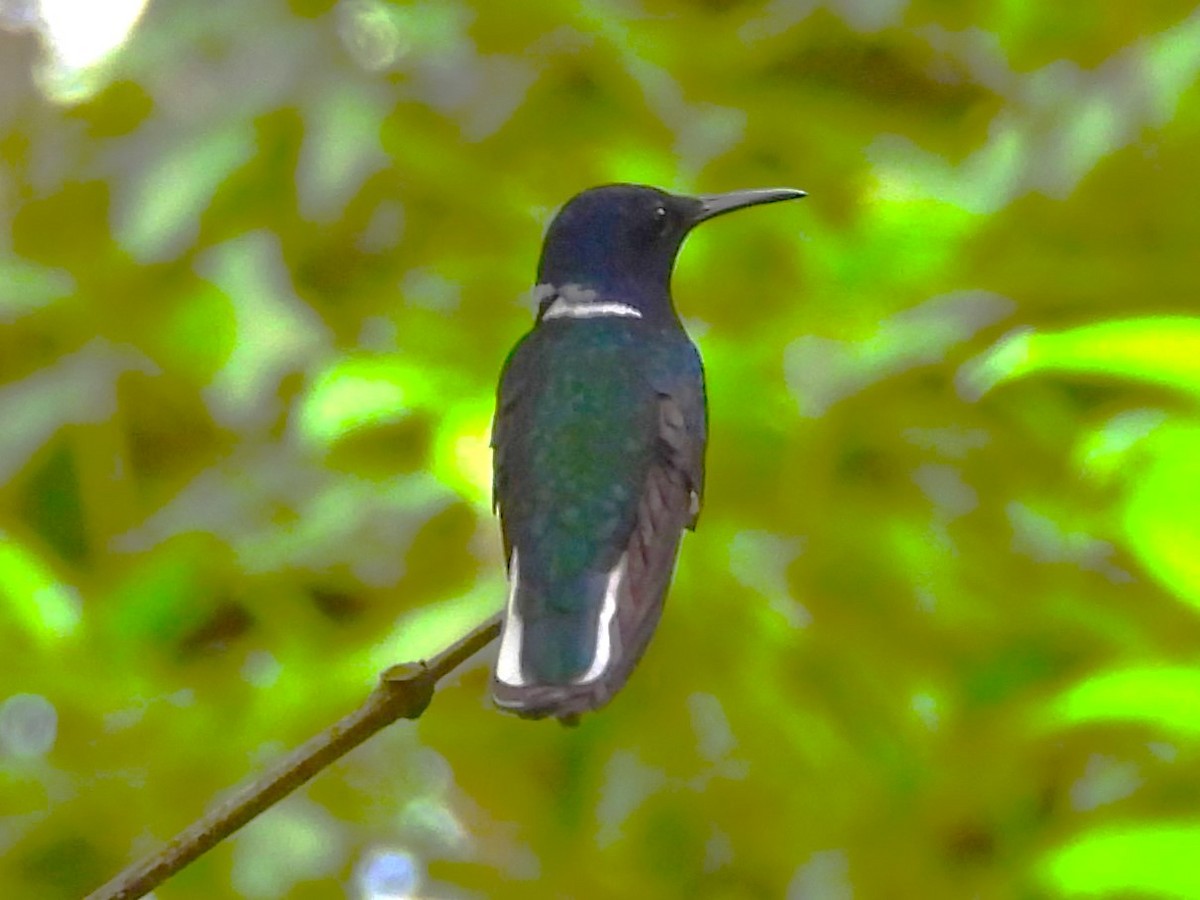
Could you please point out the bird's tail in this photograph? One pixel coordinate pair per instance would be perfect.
(540, 672)
(565, 652)
(560, 648)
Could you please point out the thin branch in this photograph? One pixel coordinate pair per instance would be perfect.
(403, 692)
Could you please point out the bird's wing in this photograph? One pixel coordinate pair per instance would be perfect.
(513, 390)
(683, 427)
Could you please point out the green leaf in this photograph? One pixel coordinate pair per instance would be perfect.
(1157, 860)
(1167, 697)
(159, 216)
(332, 169)
(1106, 452)
(1162, 511)
(32, 596)
(1159, 350)
(356, 393)
(27, 286)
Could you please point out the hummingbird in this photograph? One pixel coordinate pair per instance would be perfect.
(598, 447)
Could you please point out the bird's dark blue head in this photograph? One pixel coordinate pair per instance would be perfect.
(620, 240)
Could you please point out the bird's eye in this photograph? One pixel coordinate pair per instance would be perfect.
(661, 219)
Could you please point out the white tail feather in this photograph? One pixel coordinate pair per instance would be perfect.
(604, 641)
(508, 665)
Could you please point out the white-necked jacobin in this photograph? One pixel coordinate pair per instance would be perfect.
(598, 442)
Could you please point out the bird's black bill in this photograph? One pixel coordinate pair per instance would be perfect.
(717, 204)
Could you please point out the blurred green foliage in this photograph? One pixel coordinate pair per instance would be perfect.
(937, 633)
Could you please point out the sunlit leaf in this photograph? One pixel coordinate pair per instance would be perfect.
(357, 392)
(159, 215)
(1162, 509)
(981, 184)
(821, 371)
(275, 333)
(332, 168)
(1123, 860)
(1106, 452)
(32, 597)
(28, 286)
(423, 632)
(1166, 697)
(463, 455)
(292, 842)
(1160, 350)
(1172, 63)
(201, 332)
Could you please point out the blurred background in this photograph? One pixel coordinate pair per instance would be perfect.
(937, 633)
